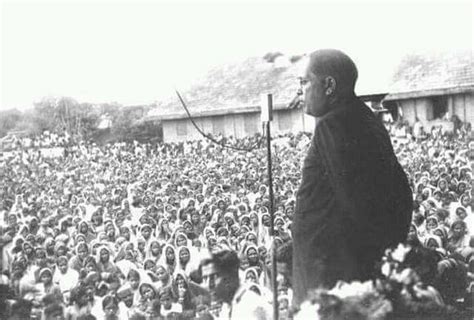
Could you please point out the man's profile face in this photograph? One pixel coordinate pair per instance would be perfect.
(217, 284)
(315, 98)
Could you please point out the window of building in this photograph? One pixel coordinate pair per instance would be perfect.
(181, 128)
(440, 107)
(394, 109)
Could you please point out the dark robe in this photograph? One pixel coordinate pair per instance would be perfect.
(353, 202)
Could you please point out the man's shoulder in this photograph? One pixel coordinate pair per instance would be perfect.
(250, 305)
(245, 296)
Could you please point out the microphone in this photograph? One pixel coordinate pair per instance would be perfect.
(297, 100)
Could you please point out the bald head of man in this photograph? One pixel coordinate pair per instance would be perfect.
(330, 78)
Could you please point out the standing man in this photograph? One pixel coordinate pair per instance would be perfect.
(354, 199)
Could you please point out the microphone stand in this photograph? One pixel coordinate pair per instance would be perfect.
(272, 227)
(267, 105)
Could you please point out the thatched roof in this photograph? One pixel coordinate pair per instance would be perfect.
(436, 74)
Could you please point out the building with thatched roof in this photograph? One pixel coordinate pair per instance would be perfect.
(433, 87)
(227, 100)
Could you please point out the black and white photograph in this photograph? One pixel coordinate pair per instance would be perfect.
(236, 160)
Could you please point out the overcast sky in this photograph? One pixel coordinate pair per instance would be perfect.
(135, 52)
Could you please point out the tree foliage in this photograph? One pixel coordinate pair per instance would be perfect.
(8, 120)
(129, 125)
(65, 114)
(80, 120)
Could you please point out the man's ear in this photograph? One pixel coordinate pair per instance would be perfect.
(330, 85)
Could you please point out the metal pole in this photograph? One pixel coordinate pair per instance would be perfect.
(272, 228)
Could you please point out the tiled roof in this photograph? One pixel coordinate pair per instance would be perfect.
(432, 74)
(238, 85)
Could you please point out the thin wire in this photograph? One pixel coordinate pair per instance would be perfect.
(210, 138)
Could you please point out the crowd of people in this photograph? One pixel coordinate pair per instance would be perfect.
(44, 140)
(120, 231)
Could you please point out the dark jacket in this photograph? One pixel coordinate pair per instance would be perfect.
(354, 200)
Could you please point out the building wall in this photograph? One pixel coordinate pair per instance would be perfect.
(288, 121)
(461, 105)
(237, 125)
(409, 110)
(468, 102)
(245, 124)
(457, 106)
(424, 109)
